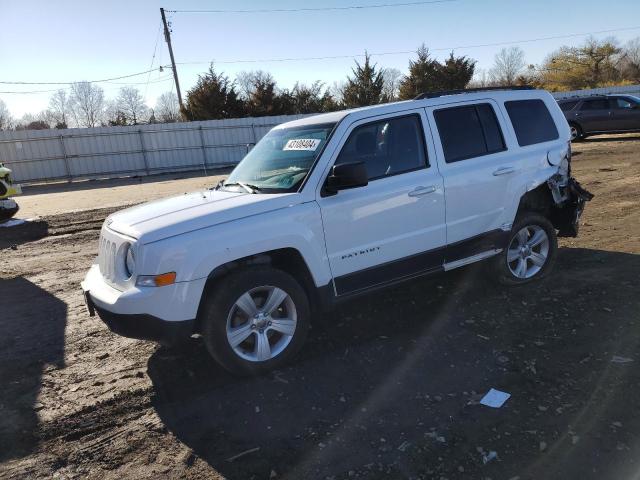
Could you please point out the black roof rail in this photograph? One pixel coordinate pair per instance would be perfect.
(442, 93)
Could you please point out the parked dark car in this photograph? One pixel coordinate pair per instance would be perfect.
(598, 114)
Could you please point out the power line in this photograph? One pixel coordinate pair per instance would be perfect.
(88, 81)
(159, 80)
(330, 57)
(318, 9)
(405, 52)
(153, 57)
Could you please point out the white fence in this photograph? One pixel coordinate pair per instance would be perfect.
(629, 90)
(105, 152)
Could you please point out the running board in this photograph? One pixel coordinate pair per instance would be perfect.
(474, 258)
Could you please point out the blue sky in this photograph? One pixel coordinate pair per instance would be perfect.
(44, 41)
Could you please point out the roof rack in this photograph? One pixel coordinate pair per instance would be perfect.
(442, 93)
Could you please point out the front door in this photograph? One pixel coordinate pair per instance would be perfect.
(625, 113)
(394, 227)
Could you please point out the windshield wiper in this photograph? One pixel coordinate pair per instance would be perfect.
(247, 186)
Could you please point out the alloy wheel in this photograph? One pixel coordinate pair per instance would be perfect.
(528, 252)
(261, 323)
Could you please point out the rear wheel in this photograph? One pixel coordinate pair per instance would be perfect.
(576, 132)
(531, 251)
(256, 320)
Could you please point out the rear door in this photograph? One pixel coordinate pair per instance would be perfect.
(477, 170)
(594, 115)
(625, 113)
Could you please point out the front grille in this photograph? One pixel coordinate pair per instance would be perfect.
(107, 259)
(110, 260)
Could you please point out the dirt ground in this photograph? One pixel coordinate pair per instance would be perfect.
(387, 387)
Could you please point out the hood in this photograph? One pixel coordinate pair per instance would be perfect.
(172, 216)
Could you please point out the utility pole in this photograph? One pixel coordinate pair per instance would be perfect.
(167, 38)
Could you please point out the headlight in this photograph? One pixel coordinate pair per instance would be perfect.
(130, 262)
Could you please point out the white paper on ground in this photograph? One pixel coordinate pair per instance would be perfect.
(495, 398)
(618, 359)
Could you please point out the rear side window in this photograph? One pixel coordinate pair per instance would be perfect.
(600, 104)
(531, 121)
(388, 147)
(469, 131)
(566, 106)
(623, 103)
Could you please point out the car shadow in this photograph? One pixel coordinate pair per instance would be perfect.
(23, 233)
(385, 372)
(28, 345)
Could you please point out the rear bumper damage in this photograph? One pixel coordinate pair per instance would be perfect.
(570, 199)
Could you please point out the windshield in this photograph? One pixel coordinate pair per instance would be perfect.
(280, 161)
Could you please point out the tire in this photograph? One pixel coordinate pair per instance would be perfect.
(253, 288)
(534, 239)
(577, 133)
(7, 213)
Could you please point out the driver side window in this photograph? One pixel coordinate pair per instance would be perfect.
(387, 147)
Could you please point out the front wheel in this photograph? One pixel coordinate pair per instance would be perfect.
(256, 320)
(531, 251)
(8, 208)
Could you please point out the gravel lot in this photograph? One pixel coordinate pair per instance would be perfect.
(388, 386)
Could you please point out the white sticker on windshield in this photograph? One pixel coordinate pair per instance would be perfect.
(310, 144)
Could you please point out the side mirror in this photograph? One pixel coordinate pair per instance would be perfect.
(347, 175)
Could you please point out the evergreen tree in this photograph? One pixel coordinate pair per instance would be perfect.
(310, 99)
(429, 75)
(423, 73)
(263, 99)
(455, 73)
(213, 97)
(365, 88)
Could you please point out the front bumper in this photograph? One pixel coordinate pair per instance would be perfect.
(146, 327)
(163, 314)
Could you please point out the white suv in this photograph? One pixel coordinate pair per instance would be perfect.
(334, 205)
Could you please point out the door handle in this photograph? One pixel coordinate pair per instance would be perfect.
(503, 171)
(420, 191)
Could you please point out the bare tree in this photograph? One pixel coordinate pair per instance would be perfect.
(5, 117)
(87, 103)
(480, 79)
(631, 60)
(112, 115)
(247, 82)
(131, 103)
(167, 108)
(391, 88)
(59, 108)
(29, 121)
(508, 65)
